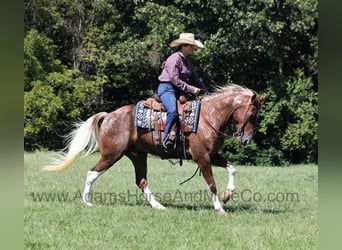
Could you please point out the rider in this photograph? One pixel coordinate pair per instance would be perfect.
(174, 78)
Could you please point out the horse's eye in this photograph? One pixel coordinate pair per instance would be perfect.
(253, 117)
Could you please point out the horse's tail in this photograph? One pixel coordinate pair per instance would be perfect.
(84, 137)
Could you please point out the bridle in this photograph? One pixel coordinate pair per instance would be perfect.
(220, 133)
(249, 117)
(241, 130)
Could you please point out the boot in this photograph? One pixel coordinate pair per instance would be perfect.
(169, 141)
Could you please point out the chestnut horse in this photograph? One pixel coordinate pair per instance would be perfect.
(115, 135)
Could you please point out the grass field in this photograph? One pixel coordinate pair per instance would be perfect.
(272, 208)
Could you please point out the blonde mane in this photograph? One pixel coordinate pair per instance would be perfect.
(229, 89)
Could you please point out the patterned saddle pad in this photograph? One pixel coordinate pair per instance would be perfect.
(150, 119)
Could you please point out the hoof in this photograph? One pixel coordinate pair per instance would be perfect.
(87, 203)
(159, 207)
(221, 211)
(225, 196)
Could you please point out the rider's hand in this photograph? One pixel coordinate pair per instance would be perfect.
(205, 91)
(197, 91)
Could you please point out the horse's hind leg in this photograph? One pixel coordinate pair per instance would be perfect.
(113, 138)
(103, 164)
(139, 161)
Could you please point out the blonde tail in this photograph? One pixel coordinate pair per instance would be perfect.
(84, 137)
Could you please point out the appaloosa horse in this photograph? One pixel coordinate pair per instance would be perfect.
(115, 135)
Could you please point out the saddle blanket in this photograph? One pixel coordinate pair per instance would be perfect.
(150, 119)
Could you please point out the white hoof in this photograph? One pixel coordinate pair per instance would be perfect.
(221, 211)
(158, 206)
(87, 203)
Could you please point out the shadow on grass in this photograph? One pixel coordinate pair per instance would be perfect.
(198, 207)
(232, 208)
(243, 207)
(273, 211)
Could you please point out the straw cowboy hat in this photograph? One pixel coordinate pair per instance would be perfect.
(186, 38)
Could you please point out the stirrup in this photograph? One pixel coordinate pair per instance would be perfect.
(168, 143)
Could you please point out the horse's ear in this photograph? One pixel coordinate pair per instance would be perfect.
(258, 98)
(262, 98)
(254, 97)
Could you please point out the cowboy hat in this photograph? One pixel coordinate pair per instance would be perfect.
(186, 38)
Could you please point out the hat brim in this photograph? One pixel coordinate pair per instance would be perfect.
(178, 42)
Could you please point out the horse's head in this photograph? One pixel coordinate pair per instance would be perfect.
(246, 116)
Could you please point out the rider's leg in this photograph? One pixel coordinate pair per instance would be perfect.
(168, 98)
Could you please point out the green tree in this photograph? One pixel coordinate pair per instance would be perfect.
(39, 58)
(90, 56)
(290, 120)
(300, 140)
(53, 104)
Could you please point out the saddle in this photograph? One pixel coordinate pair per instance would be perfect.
(150, 114)
(184, 108)
(155, 103)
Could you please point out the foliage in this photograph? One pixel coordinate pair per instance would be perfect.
(39, 58)
(82, 57)
(251, 154)
(61, 97)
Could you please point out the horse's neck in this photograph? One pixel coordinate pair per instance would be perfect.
(218, 110)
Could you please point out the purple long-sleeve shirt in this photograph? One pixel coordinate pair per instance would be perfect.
(178, 70)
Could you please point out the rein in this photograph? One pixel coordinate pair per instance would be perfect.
(220, 133)
(224, 135)
(190, 177)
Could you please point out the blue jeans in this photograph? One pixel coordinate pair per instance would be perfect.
(168, 95)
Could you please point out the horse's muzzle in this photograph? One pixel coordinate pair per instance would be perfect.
(244, 139)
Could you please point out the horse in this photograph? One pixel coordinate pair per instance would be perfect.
(115, 136)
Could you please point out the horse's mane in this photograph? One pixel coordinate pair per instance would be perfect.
(229, 89)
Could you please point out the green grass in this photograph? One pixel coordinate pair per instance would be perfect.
(122, 219)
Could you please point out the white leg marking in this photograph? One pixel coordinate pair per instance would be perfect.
(217, 204)
(231, 180)
(231, 184)
(150, 198)
(91, 178)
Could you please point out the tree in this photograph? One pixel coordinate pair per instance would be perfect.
(90, 56)
(39, 58)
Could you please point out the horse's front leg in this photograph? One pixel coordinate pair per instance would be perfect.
(218, 160)
(231, 183)
(205, 167)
